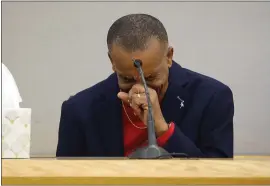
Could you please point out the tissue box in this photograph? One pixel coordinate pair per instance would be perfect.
(16, 133)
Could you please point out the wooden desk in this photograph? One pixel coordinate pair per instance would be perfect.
(241, 170)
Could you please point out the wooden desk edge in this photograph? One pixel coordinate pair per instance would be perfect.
(134, 180)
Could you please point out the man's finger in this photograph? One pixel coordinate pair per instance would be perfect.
(139, 99)
(123, 96)
(136, 109)
(137, 88)
(140, 102)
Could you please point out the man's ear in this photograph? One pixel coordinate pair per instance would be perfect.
(170, 56)
(113, 67)
(109, 55)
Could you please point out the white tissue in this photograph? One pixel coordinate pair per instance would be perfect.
(11, 97)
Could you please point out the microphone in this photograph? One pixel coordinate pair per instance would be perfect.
(152, 150)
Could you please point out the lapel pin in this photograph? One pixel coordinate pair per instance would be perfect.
(182, 102)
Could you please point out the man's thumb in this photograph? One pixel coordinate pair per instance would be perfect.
(123, 96)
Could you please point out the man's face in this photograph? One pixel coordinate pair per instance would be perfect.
(156, 61)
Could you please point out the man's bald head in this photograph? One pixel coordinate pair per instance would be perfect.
(133, 32)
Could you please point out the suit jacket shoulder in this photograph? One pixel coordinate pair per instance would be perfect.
(202, 86)
(204, 81)
(94, 93)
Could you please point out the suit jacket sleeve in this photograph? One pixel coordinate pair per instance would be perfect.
(70, 135)
(216, 130)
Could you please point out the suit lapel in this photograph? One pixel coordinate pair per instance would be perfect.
(110, 120)
(175, 102)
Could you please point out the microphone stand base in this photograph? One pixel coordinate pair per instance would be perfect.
(150, 152)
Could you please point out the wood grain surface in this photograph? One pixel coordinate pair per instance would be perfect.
(241, 170)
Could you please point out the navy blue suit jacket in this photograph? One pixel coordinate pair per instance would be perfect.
(91, 121)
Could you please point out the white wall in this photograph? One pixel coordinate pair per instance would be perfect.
(55, 49)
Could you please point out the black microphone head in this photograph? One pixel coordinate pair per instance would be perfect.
(137, 63)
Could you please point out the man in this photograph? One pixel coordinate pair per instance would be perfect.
(193, 113)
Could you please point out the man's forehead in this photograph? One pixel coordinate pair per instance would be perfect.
(151, 58)
(123, 59)
(154, 51)
(132, 71)
(153, 44)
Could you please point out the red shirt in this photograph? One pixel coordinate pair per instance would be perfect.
(135, 137)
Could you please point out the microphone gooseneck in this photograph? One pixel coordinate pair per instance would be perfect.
(150, 120)
(152, 151)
